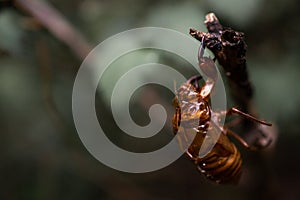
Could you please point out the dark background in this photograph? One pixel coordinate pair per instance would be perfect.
(41, 154)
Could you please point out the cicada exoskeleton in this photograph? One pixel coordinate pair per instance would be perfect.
(194, 120)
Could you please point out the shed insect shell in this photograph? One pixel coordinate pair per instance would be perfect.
(193, 119)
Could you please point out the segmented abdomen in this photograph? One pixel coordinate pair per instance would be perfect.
(221, 169)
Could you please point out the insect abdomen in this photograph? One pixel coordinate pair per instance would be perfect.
(221, 169)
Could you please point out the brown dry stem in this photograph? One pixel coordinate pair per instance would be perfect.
(229, 49)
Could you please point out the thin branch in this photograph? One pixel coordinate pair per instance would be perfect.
(229, 49)
(54, 21)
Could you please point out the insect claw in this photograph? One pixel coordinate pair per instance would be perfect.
(195, 79)
(201, 50)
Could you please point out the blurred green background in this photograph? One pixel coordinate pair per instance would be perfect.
(41, 154)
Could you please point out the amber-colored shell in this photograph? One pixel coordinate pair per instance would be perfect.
(193, 119)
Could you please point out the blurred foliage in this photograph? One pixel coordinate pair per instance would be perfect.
(41, 154)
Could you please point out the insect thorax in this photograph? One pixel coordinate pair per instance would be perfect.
(194, 110)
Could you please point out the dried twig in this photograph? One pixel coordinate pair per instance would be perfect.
(52, 20)
(229, 49)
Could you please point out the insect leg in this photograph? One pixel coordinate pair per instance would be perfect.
(247, 116)
(194, 81)
(206, 64)
(201, 50)
(240, 139)
(237, 137)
